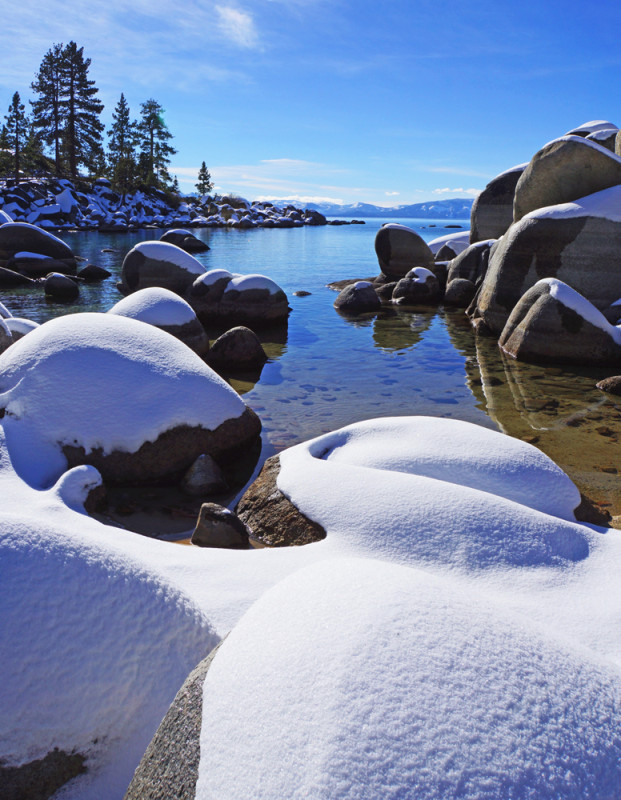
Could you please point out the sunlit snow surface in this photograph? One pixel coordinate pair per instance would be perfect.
(473, 652)
(156, 306)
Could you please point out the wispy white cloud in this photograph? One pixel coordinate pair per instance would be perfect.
(460, 191)
(297, 198)
(469, 173)
(391, 194)
(237, 26)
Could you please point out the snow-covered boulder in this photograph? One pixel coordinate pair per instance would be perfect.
(6, 336)
(552, 322)
(185, 240)
(579, 243)
(19, 326)
(606, 138)
(116, 393)
(4, 217)
(420, 285)
(591, 127)
(159, 264)
(21, 237)
(399, 249)
(471, 263)
(563, 170)
(357, 679)
(445, 491)
(168, 312)
(357, 298)
(220, 296)
(492, 210)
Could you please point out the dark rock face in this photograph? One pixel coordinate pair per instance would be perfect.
(565, 170)
(248, 307)
(471, 263)
(399, 249)
(204, 478)
(91, 273)
(16, 237)
(459, 293)
(61, 288)
(492, 211)
(584, 252)
(542, 328)
(238, 348)
(9, 278)
(40, 779)
(358, 298)
(273, 520)
(185, 240)
(445, 253)
(191, 333)
(169, 767)
(172, 453)
(611, 385)
(217, 526)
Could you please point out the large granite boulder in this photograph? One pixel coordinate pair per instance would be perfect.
(219, 296)
(399, 249)
(168, 312)
(492, 210)
(21, 237)
(606, 138)
(579, 243)
(120, 395)
(563, 170)
(552, 322)
(159, 264)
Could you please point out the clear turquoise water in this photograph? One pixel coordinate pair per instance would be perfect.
(329, 371)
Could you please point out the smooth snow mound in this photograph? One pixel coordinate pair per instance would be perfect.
(420, 274)
(422, 489)
(214, 275)
(165, 251)
(242, 283)
(21, 325)
(359, 680)
(101, 380)
(156, 306)
(606, 204)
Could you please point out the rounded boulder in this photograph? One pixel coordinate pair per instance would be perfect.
(399, 249)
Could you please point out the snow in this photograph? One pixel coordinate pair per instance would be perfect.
(357, 680)
(243, 283)
(20, 325)
(420, 274)
(214, 275)
(587, 143)
(605, 204)
(4, 311)
(180, 231)
(362, 284)
(456, 241)
(156, 306)
(25, 255)
(129, 382)
(164, 251)
(487, 673)
(4, 217)
(594, 125)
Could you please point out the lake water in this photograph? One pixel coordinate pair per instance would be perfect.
(328, 371)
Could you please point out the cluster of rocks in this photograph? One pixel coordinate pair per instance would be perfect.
(542, 269)
(61, 204)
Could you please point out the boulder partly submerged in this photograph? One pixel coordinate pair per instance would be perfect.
(399, 249)
(220, 296)
(552, 322)
(119, 394)
(159, 264)
(168, 312)
(578, 243)
(21, 237)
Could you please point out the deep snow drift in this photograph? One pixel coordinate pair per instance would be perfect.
(485, 664)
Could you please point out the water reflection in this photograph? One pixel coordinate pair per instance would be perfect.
(394, 329)
(557, 409)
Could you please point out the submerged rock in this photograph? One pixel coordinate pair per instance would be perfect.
(358, 298)
(237, 349)
(420, 285)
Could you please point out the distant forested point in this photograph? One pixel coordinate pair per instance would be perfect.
(62, 134)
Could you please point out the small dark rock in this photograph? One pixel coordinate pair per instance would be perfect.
(60, 288)
(91, 273)
(611, 385)
(219, 527)
(239, 348)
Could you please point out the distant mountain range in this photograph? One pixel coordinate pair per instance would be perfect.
(434, 209)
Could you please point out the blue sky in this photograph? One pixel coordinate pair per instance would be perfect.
(382, 102)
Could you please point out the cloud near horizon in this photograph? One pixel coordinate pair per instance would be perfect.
(470, 192)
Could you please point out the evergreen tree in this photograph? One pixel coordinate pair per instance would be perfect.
(123, 139)
(46, 109)
(154, 144)
(204, 184)
(35, 161)
(6, 157)
(81, 109)
(17, 132)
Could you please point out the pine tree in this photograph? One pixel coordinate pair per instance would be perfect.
(6, 157)
(80, 109)
(154, 138)
(204, 184)
(46, 109)
(123, 139)
(34, 159)
(17, 132)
